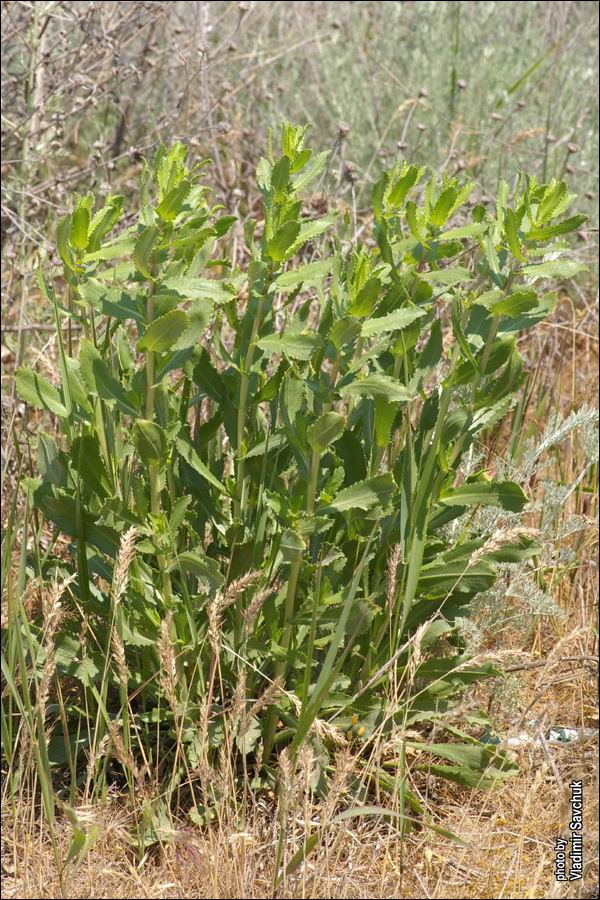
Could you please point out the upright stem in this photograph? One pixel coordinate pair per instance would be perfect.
(153, 467)
(312, 483)
(242, 409)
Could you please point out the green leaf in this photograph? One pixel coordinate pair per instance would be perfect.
(366, 299)
(478, 765)
(199, 317)
(443, 207)
(310, 173)
(515, 304)
(150, 441)
(385, 413)
(35, 390)
(344, 332)
(189, 288)
(394, 321)
(512, 234)
(407, 180)
(291, 545)
(99, 380)
(163, 333)
(88, 462)
(551, 231)
(448, 277)
(122, 247)
(308, 231)
(505, 494)
(412, 220)
(282, 240)
(63, 234)
(208, 379)
(327, 429)
(554, 268)
(280, 174)
(195, 562)
(375, 386)
(80, 223)
(170, 206)
(464, 231)
(363, 495)
(296, 346)
(187, 452)
(312, 273)
(143, 250)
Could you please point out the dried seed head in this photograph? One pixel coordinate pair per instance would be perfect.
(461, 83)
(125, 557)
(343, 130)
(350, 173)
(256, 605)
(392, 570)
(573, 148)
(119, 658)
(500, 538)
(235, 590)
(214, 625)
(265, 700)
(423, 92)
(168, 666)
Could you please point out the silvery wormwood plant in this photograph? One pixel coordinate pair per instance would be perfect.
(256, 467)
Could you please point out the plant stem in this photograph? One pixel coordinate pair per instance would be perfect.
(238, 506)
(312, 483)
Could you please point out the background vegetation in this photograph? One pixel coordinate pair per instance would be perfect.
(480, 91)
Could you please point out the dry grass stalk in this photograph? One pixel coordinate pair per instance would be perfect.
(500, 538)
(249, 615)
(394, 561)
(266, 699)
(125, 557)
(53, 614)
(119, 658)
(168, 664)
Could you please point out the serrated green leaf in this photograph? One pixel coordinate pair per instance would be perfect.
(505, 494)
(443, 207)
(363, 495)
(394, 321)
(375, 386)
(310, 274)
(448, 277)
(163, 333)
(99, 380)
(554, 268)
(296, 346)
(35, 390)
(80, 223)
(143, 250)
(282, 240)
(552, 231)
(327, 429)
(150, 441)
(170, 206)
(185, 449)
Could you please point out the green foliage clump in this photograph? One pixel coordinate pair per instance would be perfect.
(259, 462)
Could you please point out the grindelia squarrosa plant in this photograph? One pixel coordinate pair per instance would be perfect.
(242, 526)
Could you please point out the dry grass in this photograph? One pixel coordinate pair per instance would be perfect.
(509, 837)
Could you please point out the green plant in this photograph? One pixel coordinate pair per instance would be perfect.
(257, 469)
